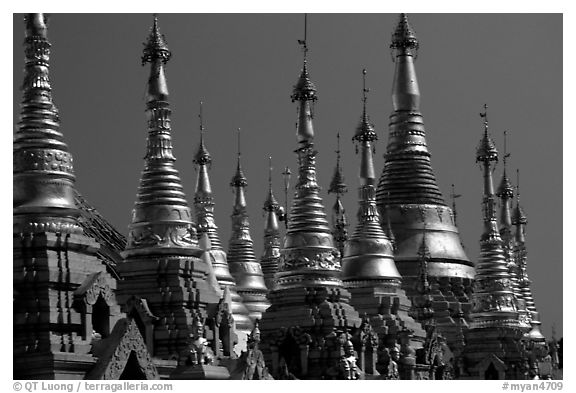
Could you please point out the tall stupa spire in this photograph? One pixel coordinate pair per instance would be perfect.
(409, 198)
(519, 220)
(204, 208)
(505, 193)
(368, 268)
(495, 330)
(43, 172)
(309, 267)
(163, 263)
(494, 302)
(241, 259)
(161, 219)
(339, 218)
(271, 252)
(369, 255)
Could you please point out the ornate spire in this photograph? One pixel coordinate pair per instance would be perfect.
(308, 234)
(520, 221)
(305, 93)
(339, 219)
(494, 303)
(43, 173)
(368, 254)
(241, 259)
(161, 219)
(408, 196)
(271, 253)
(203, 198)
(204, 209)
(308, 300)
(506, 193)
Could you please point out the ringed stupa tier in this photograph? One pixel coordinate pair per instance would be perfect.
(271, 251)
(204, 208)
(368, 268)
(309, 303)
(64, 300)
(495, 330)
(241, 258)
(408, 194)
(162, 261)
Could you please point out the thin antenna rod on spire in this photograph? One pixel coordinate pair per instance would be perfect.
(484, 115)
(364, 89)
(286, 175)
(506, 154)
(303, 42)
(201, 120)
(270, 172)
(238, 142)
(454, 196)
(518, 183)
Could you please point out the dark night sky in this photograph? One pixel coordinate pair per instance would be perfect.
(243, 67)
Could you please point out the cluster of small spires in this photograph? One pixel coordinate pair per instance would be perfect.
(162, 221)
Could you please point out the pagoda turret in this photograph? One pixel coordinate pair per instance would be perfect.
(204, 208)
(409, 197)
(519, 220)
(271, 252)
(64, 301)
(505, 193)
(339, 219)
(309, 304)
(241, 258)
(368, 268)
(495, 331)
(163, 265)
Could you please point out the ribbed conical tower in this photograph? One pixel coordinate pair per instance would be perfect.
(204, 208)
(505, 193)
(409, 196)
(162, 262)
(161, 219)
(339, 218)
(271, 252)
(495, 329)
(241, 258)
(368, 268)
(54, 263)
(309, 303)
(519, 220)
(43, 172)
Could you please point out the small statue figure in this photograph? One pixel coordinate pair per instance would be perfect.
(348, 369)
(199, 352)
(393, 355)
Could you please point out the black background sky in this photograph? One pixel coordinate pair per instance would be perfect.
(243, 67)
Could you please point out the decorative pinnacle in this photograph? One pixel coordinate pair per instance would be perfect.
(156, 47)
(337, 185)
(304, 89)
(365, 131)
(239, 180)
(404, 39)
(202, 157)
(505, 189)
(486, 151)
(519, 217)
(454, 196)
(271, 204)
(286, 175)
